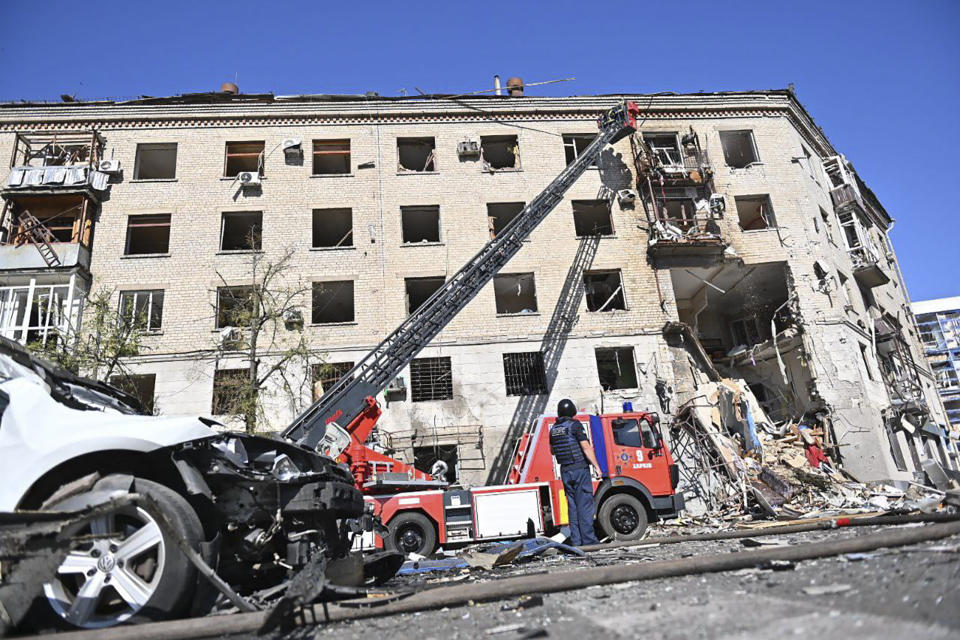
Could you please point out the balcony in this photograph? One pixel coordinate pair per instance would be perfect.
(846, 195)
(65, 162)
(26, 257)
(685, 234)
(866, 267)
(661, 158)
(26, 180)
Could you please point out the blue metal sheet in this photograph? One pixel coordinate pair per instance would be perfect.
(599, 443)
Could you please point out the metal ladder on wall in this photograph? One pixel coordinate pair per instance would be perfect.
(347, 399)
(40, 237)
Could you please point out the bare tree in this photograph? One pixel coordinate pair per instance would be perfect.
(261, 321)
(99, 348)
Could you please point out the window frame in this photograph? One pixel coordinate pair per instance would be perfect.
(220, 311)
(330, 142)
(525, 363)
(143, 220)
(244, 154)
(145, 146)
(622, 291)
(753, 144)
(571, 145)
(151, 300)
(313, 301)
(223, 227)
(445, 393)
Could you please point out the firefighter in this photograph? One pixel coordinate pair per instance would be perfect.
(569, 445)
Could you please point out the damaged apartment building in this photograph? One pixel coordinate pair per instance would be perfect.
(727, 237)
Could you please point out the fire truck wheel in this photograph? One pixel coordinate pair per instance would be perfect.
(411, 533)
(623, 517)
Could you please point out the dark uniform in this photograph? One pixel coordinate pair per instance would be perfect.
(565, 438)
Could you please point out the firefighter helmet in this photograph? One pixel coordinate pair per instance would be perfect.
(566, 408)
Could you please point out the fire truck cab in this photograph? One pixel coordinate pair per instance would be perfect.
(635, 485)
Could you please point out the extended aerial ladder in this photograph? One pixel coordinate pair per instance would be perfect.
(349, 407)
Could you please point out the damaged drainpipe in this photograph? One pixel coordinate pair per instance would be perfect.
(776, 347)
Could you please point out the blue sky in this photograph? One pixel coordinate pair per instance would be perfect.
(882, 78)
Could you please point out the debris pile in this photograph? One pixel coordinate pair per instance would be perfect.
(737, 465)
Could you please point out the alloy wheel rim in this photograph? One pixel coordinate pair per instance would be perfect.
(110, 574)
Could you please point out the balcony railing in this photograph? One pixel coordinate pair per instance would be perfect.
(867, 266)
(69, 176)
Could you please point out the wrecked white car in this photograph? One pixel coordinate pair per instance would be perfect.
(255, 508)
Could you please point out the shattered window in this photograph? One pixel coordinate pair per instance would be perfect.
(431, 379)
(592, 218)
(241, 231)
(243, 157)
(664, 146)
(425, 457)
(755, 212)
(616, 368)
(420, 224)
(575, 144)
(524, 374)
(148, 234)
(419, 291)
(604, 291)
(156, 162)
(333, 302)
(235, 306)
(500, 153)
(416, 155)
(739, 150)
(327, 374)
(143, 309)
(331, 157)
(515, 293)
(500, 214)
(332, 228)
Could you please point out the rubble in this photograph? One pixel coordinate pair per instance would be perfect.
(737, 466)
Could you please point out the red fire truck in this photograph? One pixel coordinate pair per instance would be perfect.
(635, 485)
(638, 477)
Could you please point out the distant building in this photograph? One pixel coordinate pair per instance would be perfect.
(939, 322)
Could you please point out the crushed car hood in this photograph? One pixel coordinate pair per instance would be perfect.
(37, 433)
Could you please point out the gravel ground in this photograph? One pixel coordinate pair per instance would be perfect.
(910, 592)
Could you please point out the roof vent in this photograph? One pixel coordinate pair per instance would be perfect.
(229, 87)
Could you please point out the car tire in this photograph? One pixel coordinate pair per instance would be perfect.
(623, 517)
(411, 532)
(134, 572)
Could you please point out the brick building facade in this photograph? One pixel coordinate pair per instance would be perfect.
(731, 213)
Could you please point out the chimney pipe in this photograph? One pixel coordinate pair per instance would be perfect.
(496, 85)
(229, 87)
(515, 87)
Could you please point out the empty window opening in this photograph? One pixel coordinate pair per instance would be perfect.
(419, 291)
(140, 386)
(62, 227)
(242, 157)
(333, 302)
(420, 224)
(745, 331)
(425, 457)
(500, 152)
(515, 293)
(156, 162)
(755, 212)
(664, 146)
(739, 150)
(524, 374)
(417, 154)
(232, 392)
(592, 218)
(604, 291)
(235, 306)
(331, 157)
(851, 230)
(142, 309)
(431, 379)
(500, 214)
(327, 374)
(241, 231)
(616, 368)
(332, 228)
(148, 234)
(574, 144)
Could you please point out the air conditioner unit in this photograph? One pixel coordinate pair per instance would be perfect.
(397, 385)
(249, 178)
(468, 148)
(626, 196)
(108, 166)
(293, 319)
(290, 143)
(292, 149)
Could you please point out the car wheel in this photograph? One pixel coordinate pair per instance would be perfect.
(127, 569)
(411, 532)
(623, 517)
